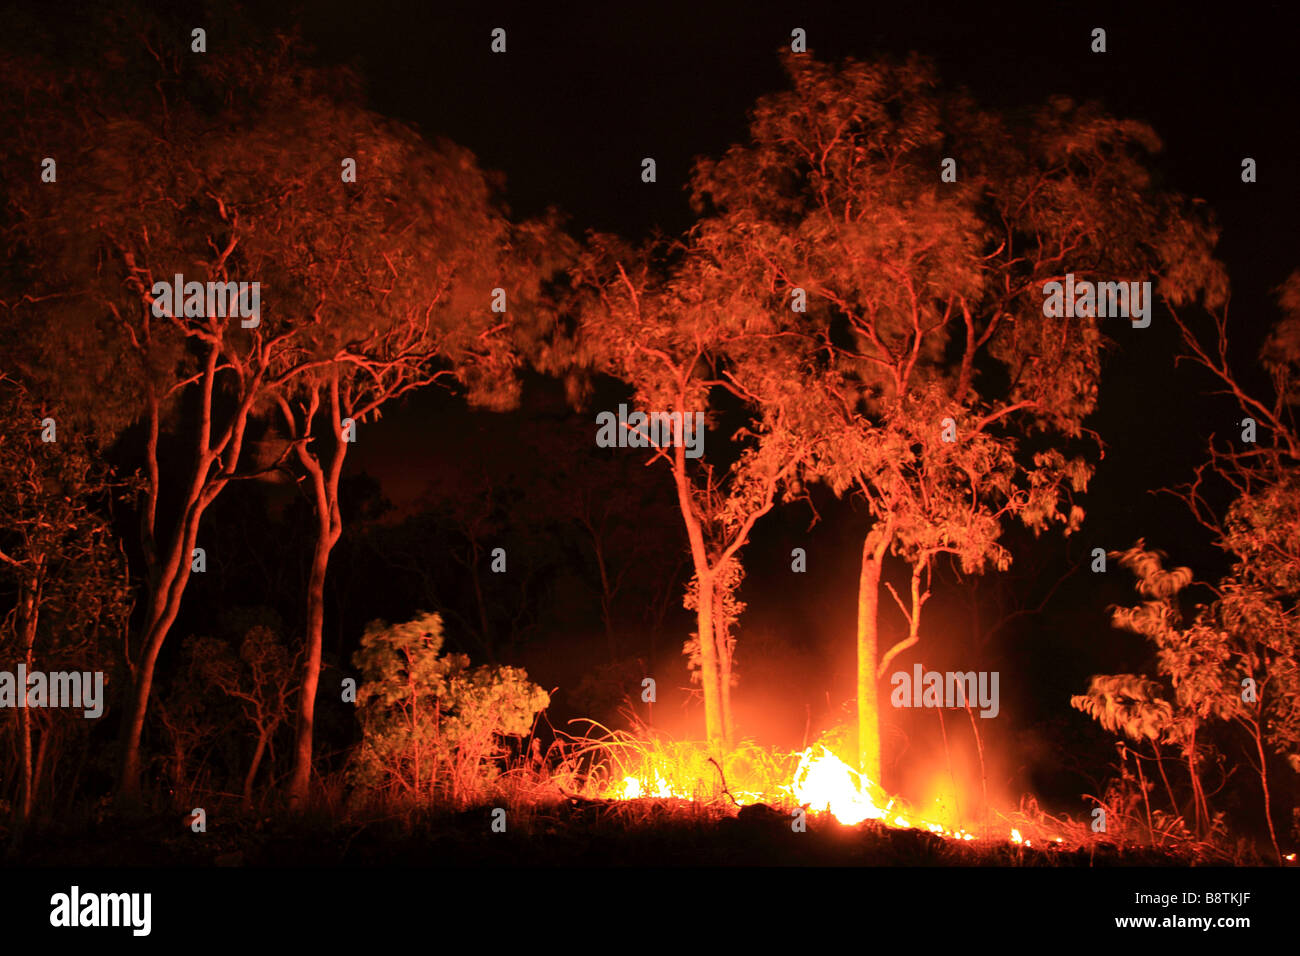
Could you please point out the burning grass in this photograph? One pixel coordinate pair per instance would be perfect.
(622, 765)
(643, 775)
(626, 766)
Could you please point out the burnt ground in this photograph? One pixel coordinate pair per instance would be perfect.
(571, 833)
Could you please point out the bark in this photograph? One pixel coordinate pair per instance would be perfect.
(163, 609)
(1254, 728)
(329, 526)
(1199, 804)
(714, 728)
(713, 724)
(252, 769)
(724, 679)
(43, 751)
(873, 556)
(169, 575)
(311, 672)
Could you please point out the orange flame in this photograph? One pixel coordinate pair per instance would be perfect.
(822, 782)
(826, 783)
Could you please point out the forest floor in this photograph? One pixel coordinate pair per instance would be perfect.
(570, 833)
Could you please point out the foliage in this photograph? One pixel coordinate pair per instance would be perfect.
(430, 722)
(901, 316)
(64, 592)
(1127, 704)
(56, 545)
(924, 298)
(1235, 660)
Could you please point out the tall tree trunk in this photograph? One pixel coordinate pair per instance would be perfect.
(164, 607)
(329, 526)
(170, 573)
(873, 556)
(713, 725)
(606, 594)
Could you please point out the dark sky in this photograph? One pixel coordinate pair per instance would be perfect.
(586, 90)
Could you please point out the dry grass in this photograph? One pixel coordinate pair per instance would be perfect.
(599, 761)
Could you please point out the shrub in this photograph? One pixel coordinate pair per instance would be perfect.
(431, 723)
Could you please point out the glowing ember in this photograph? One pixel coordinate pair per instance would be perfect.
(1017, 838)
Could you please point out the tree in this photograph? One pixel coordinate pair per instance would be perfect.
(941, 395)
(260, 678)
(237, 169)
(401, 273)
(673, 329)
(62, 566)
(181, 177)
(1238, 659)
(1235, 659)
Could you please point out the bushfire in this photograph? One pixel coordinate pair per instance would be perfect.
(822, 783)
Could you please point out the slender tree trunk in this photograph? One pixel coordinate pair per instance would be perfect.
(180, 766)
(713, 725)
(329, 526)
(1255, 733)
(71, 789)
(606, 596)
(42, 751)
(1142, 782)
(163, 611)
(25, 713)
(984, 776)
(873, 555)
(1169, 791)
(415, 736)
(252, 768)
(169, 575)
(947, 752)
(9, 773)
(1200, 807)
